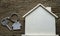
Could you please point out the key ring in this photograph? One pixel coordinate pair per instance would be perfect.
(14, 19)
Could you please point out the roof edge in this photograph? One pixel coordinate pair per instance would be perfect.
(38, 6)
(32, 10)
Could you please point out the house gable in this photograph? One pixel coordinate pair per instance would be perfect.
(40, 5)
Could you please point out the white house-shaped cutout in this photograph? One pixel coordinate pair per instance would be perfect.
(40, 21)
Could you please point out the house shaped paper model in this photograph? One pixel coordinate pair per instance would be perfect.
(40, 21)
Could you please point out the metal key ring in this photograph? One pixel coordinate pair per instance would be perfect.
(15, 15)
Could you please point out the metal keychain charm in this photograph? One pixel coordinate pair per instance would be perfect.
(16, 25)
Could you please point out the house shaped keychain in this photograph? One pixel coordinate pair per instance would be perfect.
(16, 24)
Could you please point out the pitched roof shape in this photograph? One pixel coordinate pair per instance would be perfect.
(40, 5)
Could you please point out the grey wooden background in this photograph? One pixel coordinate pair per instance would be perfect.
(7, 7)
